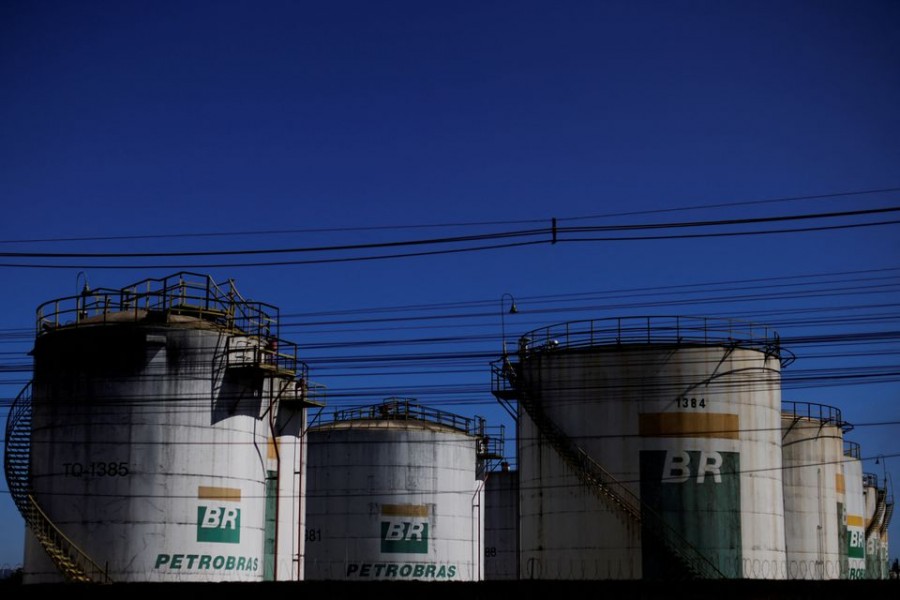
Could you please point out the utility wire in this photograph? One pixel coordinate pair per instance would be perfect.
(457, 239)
(779, 200)
(554, 231)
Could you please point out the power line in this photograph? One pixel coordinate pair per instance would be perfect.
(267, 232)
(733, 204)
(283, 263)
(538, 485)
(452, 240)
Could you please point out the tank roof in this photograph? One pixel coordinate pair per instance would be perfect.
(182, 294)
(401, 413)
(384, 425)
(183, 299)
(819, 413)
(663, 330)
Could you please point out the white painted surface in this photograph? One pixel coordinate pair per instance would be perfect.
(131, 423)
(361, 474)
(813, 457)
(596, 395)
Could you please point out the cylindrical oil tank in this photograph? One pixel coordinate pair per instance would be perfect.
(501, 524)
(649, 448)
(815, 524)
(876, 499)
(161, 417)
(855, 511)
(394, 494)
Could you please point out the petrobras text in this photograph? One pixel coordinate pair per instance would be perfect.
(401, 570)
(206, 562)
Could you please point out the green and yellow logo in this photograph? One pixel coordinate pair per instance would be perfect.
(404, 528)
(857, 538)
(218, 519)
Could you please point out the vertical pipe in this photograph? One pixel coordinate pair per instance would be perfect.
(303, 487)
(820, 562)
(273, 433)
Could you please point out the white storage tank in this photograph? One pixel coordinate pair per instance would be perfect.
(648, 448)
(394, 494)
(815, 518)
(501, 524)
(879, 508)
(855, 511)
(161, 439)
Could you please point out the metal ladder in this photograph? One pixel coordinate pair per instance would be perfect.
(880, 509)
(888, 513)
(598, 480)
(73, 563)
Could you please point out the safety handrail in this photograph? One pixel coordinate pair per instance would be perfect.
(73, 563)
(852, 450)
(403, 409)
(184, 292)
(657, 329)
(812, 411)
(599, 480)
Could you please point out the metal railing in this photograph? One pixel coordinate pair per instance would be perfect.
(316, 393)
(811, 411)
(888, 514)
(407, 409)
(600, 481)
(185, 293)
(279, 356)
(880, 509)
(656, 330)
(503, 376)
(71, 561)
(17, 448)
(492, 442)
(870, 480)
(851, 450)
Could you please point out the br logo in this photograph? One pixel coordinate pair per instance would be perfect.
(404, 528)
(218, 519)
(857, 547)
(679, 468)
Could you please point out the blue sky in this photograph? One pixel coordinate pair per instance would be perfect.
(365, 121)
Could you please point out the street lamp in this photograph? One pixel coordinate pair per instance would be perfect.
(513, 309)
(880, 460)
(81, 299)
